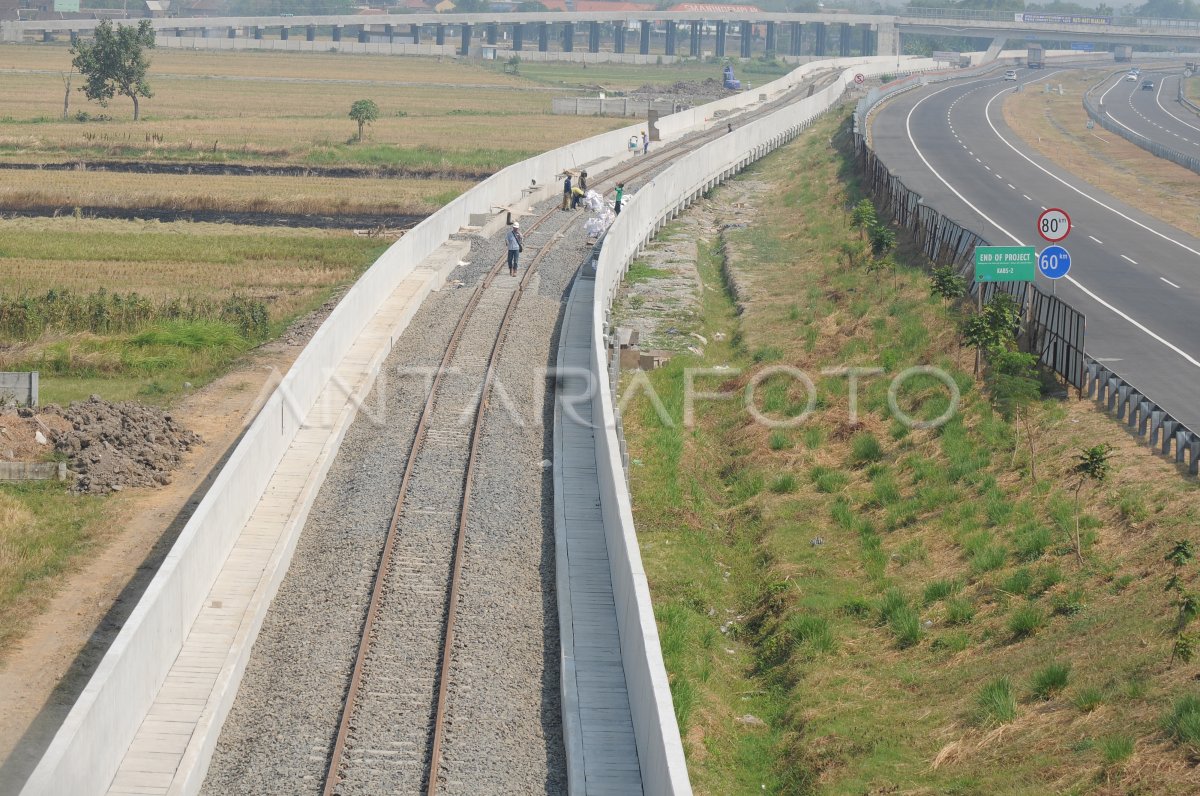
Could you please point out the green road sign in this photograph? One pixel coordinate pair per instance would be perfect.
(1005, 263)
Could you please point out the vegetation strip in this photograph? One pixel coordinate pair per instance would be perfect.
(856, 605)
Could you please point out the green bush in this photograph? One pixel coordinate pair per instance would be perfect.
(1067, 603)
(959, 611)
(1116, 748)
(1019, 582)
(812, 631)
(1031, 541)
(905, 625)
(890, 603)
(864, 449)
(828, 480)
(783, 484)
(1088, 699)
(952, 642)
(988, 558)
(779, 441)
(1026, 620)
(1182, 724)
(940, 589)
(1050, 679)
(996, 702)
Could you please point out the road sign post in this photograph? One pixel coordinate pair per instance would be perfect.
(1054, 262)
(1054, 225)
(1005, 263)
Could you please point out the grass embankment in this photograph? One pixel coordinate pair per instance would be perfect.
(868, 608)
(134, 310)
(42, 528)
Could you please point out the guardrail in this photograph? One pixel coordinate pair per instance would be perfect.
(1183, 100)
(1056, 329)
(1155, 148)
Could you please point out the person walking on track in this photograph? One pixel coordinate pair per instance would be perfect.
(567, 193)
(620, 197)
(516, 244)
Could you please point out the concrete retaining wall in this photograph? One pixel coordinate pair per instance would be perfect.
(21, 387)
(660, 749)
(33, 471)
(614, 106)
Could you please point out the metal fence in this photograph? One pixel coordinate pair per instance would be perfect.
(1101, 117)
(1055, 331)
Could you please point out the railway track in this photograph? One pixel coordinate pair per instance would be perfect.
(393, 726)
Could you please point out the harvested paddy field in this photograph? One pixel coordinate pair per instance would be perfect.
(442, 125)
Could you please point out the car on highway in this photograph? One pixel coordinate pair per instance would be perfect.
(1147, 85)
(1011, 74)
(1131, 76)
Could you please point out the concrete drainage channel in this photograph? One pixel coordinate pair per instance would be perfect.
(194, 615)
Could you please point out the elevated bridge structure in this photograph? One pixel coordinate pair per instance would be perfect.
(670, 34)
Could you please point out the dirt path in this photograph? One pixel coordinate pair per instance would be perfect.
(45, 671)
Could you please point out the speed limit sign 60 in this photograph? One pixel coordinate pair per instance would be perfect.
(1054, 225)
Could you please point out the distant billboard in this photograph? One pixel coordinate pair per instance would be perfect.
(1062, 19)
(66, 6)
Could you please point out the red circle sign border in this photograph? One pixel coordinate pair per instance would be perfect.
(1043, 215)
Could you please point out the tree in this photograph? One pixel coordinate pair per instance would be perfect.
(66, 79)
(946, 283)
(364, 111)
(1016, 393)
(115, 63)
(1090, 465)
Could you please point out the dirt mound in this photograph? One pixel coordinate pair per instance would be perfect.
(685, 89)
(112, 446)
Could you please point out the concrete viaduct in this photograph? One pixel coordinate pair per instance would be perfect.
(669, 34)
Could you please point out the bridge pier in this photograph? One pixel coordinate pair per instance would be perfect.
(415, 32)
(670, 45)
(697, 29)
(258, 33)
(844, 39)
(232, 33)
(464, 39)
(644, 44)
(887, 40)
(868, 40)
(492, 32)
(310, 33)
(619, 37)
(593, 37)
(771, 43)
(795, 37)
(568, 37)
(720, 48)
(285, 31)
(543, 36)
(439, 34)
(819, 45)
(364, 35)
(747, 31)
(518, 31)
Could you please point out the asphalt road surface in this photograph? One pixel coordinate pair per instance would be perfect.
(1135, 278)
(1154, 113)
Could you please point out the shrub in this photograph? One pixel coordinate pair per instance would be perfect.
(1032, 540)
(1050, 679)
(827, 480)
(1183, 723)
(1088, 699)
(890, 603)
(940, 589)
(988, 558)
(856, 606)
(779, 441)
(997, 703)
(1026, 620)
(952, 642)
(864, 449)
(1067, 603)
(959, 611)
(1116, 748)
(812, 631)
(905, 625)
(783, 484)
(1019, 582)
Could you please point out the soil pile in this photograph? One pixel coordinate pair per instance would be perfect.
(685, 89)
(27, 437)
(112, 446)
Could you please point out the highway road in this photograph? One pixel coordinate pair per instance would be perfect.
(1154, 113)
(1135, 278)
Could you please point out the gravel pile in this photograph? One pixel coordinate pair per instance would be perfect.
(111, 446)
(707, 90)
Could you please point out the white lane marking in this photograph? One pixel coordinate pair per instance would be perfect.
(977, 160)
(988, 115)
(1158, 101)
(1123, 257)
(1096, 239)
(908, 129)
(1169, 282)
(1010, 185)
(1027, 199)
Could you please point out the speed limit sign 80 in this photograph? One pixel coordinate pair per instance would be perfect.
(1054, 225)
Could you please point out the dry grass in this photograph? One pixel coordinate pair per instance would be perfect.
(1056, 127)
(21, 189)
